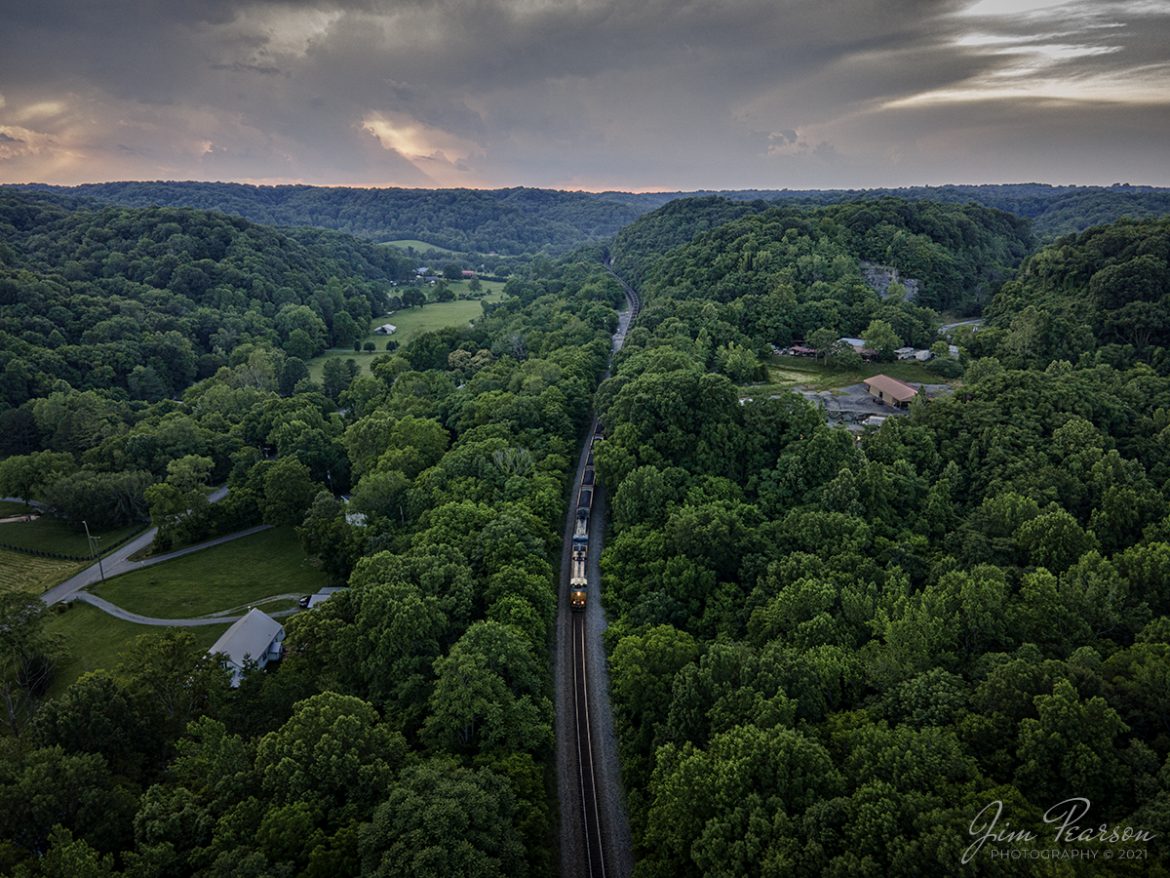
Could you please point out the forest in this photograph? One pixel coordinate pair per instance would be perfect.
(828, 654)
(415, 707)
(500, 221)
(145, 301)
(525, 221)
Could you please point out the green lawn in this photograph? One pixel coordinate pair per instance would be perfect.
(411, 322)
(93, 640)
(420, 247)
(785, 373)
(32, 574)
(49, 534)
(231, 575)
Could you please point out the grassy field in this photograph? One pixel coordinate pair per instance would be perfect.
(411, 322)
(231, 575)
(420, 247)
(93, 640)
(785, 373)
(49, 534)
(32, 574)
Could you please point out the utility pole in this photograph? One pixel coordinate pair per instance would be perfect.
(93, 553)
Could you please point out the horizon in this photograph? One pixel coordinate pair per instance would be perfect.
(506, 187)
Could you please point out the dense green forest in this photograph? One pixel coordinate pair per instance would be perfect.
(409, 729)
(829, 654)
(506, 221)
(145, 301)
(1104, 293)
(519, 221)
(1053, 210)
(736, 278)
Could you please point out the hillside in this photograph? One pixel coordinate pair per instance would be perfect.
(1053, 210)
(506, 221)
(146, 300)
(1106, 291)
(958, 253)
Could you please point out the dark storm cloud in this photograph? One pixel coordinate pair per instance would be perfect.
(587, 93)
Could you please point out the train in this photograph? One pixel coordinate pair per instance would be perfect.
(579, 575)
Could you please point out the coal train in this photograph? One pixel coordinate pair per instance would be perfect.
(579, 578)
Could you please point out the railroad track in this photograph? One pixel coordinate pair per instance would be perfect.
(584, 835)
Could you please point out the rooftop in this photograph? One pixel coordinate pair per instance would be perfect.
(248, 638)
(892, 387)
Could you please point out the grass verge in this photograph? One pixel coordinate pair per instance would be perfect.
(229, 575)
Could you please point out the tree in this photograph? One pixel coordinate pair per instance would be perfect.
(822, 341)
(440, 819)
(289, 490)
(368, 347)
(292, 373)
(27, 656)
(26, 475)
(179, 505)
(333, 754)
(881, 337)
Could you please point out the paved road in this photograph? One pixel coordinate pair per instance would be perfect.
(118, 561)
(118, 613)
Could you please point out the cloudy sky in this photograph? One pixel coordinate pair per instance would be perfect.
(586, 94)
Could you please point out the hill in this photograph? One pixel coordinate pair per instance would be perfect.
(1106, 291)
(146, 300)
(505, 221)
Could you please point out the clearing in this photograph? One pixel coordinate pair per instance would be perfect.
(786, 373)
(224, 577)
(49, 534)
(21, 572)
(412, 322)
(421, 247)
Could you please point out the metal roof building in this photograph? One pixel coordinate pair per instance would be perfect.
(256, 637)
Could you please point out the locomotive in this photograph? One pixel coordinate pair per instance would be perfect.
(579, 576)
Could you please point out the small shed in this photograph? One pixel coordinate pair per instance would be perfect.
(257, 637)
(386, 329)
(905, 353)
(890, 391)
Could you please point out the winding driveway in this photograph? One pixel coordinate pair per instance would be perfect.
(118, 613)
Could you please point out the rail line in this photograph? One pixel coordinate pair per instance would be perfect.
(585, 838)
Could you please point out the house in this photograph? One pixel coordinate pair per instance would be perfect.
(468, 274)
(386, 329)
(904, 353)
(257, 637)
(890, 391)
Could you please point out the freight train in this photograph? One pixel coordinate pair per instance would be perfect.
(579, 577)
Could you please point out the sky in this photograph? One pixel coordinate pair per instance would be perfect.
(586, 94)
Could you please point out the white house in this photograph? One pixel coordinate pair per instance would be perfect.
(257, 637)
